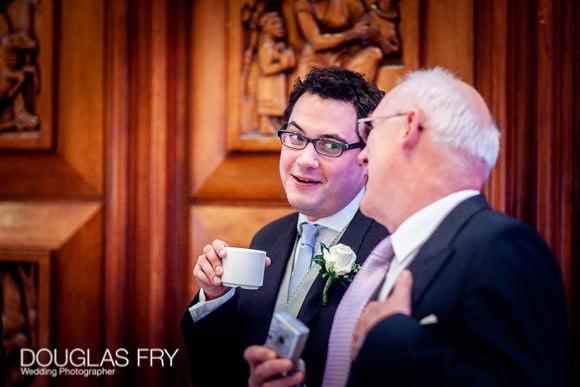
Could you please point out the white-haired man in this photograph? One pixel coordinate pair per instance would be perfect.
(465, 295)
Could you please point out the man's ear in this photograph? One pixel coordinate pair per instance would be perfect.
(413, 130)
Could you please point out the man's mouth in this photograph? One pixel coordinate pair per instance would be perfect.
(305, 180)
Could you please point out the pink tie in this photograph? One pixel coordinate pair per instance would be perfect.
(364, 286)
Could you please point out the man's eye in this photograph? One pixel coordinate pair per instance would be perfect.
(294, 137)
(330, 145)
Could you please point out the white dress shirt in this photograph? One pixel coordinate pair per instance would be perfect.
(332, 226)
(414, 232)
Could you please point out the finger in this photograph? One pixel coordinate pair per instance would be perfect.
(200, 276)
(272, 371)
(367, 319)
(356, 344)
(291, 380)
(214, 258)
(219, 247)
(208, 269)
(257, 354)
(265, 366)
(268, 261)
(401, 297)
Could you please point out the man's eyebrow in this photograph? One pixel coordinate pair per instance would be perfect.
(330, 136)
(293, 123)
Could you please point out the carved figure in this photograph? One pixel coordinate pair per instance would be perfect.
(12, 78)
(252, 11)
(17, 70)
(384, 15)
(345, 33)
(275, 58)
(19, 312)
(335, 34)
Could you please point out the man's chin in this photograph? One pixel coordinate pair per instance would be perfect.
(306, 207)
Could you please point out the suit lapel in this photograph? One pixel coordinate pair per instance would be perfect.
(279, 254)
(353, 236)
(436, 251)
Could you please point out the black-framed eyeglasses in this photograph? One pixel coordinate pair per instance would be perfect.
(324, 146)
(365, 125)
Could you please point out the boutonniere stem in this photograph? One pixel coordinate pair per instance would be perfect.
(337, 264)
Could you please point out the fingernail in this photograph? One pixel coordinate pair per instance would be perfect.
(216, 280)
(219, 270)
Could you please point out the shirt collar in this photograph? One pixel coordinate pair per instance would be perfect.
(417, 228)
(338, 220)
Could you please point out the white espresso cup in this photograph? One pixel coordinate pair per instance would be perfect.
(243, 268)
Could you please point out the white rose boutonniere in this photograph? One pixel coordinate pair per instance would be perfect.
(336, 264)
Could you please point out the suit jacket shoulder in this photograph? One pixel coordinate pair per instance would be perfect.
(496, 291)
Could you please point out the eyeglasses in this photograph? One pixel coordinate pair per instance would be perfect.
(323, 146)
(365, 125)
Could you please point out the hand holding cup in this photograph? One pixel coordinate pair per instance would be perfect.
(209, 269)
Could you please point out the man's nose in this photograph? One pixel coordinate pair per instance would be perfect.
(309, 156)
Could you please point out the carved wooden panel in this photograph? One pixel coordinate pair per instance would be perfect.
(25, 308)
(50, 260)
(26, 74)
(74, 167)
(271, 43)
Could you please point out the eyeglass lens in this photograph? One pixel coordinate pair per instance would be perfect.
(323, 146)
(364, 128)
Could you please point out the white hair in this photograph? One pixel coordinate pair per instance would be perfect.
(454, 122)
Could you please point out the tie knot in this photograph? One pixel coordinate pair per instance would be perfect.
(309, 233)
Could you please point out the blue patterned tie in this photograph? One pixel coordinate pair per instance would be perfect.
(365, 284)
(304, 256)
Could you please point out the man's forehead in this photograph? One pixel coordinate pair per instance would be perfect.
(387, 105)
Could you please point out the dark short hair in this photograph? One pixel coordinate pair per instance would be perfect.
(339, 84)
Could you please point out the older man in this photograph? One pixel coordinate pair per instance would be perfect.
(324, 182)
(466, 296)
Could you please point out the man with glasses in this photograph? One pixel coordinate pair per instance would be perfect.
(324, 182)
(460, 294)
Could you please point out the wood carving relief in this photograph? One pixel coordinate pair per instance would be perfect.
(19, 292)
(272, 42)
(22, 117)
(18, 70)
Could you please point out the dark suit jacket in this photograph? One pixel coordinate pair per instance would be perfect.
(216, 343)
(497, 293)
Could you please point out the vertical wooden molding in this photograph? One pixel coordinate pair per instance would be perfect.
(145, 194)
(554, 120)
(548, 184)
(147, 214)
(158, 147)
(491, 80)
(116, 189)
(572, 14)
(178, 273)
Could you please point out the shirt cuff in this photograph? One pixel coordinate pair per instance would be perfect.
(202, 308)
